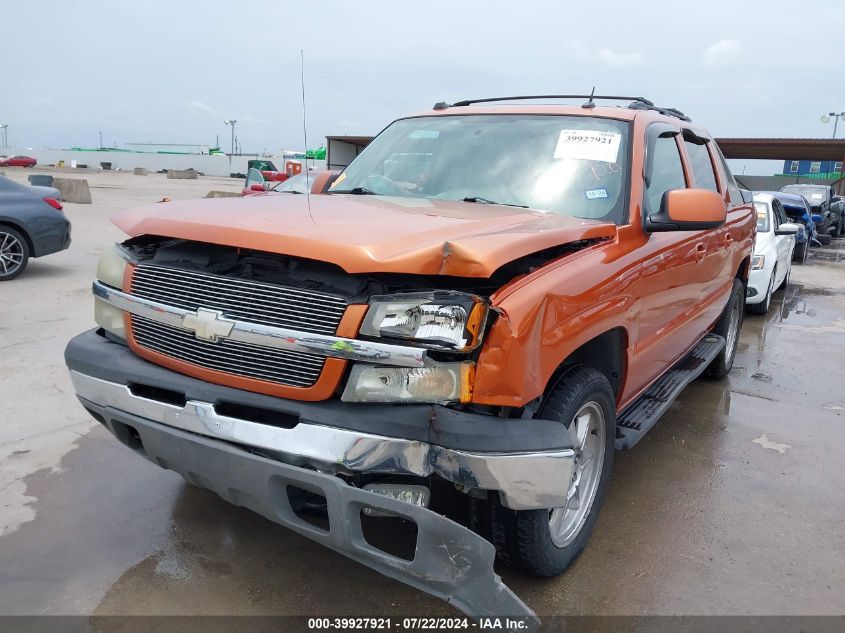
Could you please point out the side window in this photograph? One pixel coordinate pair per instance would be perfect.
(733, 188)
(702, 167)
(667, 172)
(779, 213)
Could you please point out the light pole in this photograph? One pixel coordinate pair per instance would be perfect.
(836, 116)
(232, 123)
(101, 140)
(4, 127)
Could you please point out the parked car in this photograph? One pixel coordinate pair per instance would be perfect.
(774, 244)
(31, 225)
(798, 211)
(819, 197)
(489, 299)
(18, 161)
(268, 170)
(837, 207)
(319, 181)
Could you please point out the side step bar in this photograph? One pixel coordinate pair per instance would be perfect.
(636, 420)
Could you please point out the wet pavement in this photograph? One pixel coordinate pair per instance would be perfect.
(733, 504)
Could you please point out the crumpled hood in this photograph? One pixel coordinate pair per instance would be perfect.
(368, 233)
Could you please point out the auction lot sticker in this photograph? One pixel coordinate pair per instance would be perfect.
(588, 145)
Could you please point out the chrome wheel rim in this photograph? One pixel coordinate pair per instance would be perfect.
(588, 433)
(733, 329)
(11, 253)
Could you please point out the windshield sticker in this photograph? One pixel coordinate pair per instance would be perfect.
(588, 145)
(593, 194)
(424, 134)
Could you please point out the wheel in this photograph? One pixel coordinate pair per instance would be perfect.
(763, 306)
(800, 253)
(545, 542)
(824, 238)
(728, 326)
(14, 253)
(805, 252)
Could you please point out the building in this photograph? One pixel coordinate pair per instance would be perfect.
(821, 169)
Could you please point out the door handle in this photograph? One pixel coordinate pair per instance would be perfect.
(700, 252)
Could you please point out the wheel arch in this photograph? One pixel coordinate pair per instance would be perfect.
(607, 353)
(20, 229)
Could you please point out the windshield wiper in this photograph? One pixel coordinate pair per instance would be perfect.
(358, 191)
(480, 200)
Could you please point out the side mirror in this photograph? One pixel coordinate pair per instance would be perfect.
(787, 228)
(688, 210)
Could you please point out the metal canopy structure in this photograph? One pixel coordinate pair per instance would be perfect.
(783, 148)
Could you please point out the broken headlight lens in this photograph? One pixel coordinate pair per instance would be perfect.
(444, 382)
(440, 320)
(110, 271)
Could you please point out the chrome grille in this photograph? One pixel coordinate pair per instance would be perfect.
(233, 357)
(240, 299)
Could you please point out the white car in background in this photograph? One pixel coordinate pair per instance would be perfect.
(771, 261)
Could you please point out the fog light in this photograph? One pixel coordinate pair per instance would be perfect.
(415, 495)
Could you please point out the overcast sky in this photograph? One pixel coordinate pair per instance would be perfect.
(172, 71)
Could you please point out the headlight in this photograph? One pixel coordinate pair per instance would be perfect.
(757, 262)
(444, 382)
(441, 320)
(110, 271)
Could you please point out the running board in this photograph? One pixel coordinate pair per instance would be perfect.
(636, 420)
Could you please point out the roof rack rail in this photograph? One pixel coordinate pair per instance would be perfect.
(637, 103)
(673, 112)
(442, 105)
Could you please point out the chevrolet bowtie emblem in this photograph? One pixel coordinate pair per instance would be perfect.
(208, 325)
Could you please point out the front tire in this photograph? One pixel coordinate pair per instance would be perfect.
(763, 306)
(545, 542)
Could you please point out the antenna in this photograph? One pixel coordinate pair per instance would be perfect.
(305, 132)
(590, 103)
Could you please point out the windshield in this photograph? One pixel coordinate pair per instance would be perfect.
(295, 184)
(816, 195)
(762, 210)
(571, 165)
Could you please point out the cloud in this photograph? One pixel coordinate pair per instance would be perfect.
(609, 57)
(200, 105)
(722, 53)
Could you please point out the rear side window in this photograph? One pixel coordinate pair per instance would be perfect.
(733, 188)
(667, 172)
(702, 167)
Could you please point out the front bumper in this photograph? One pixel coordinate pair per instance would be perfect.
(527, 462)
(758, 285)
(450, 561)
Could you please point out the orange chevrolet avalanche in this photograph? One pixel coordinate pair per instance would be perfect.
(489, 301)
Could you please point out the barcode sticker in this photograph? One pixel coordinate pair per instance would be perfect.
(588, 145)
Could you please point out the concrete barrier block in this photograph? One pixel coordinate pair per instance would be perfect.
(73, 190)
(140, 171)
(41, 180)
(182, 174)
(222, 194)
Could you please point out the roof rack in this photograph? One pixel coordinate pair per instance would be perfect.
(674, 112)
(637, 103)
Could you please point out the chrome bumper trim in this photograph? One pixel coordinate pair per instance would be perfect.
(269, 336)
(525, 481)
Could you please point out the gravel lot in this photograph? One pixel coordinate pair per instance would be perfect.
(732, 505)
